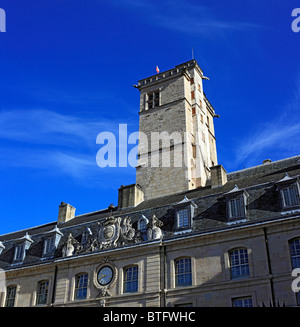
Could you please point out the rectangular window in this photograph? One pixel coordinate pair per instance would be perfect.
(193, 95)
(239, 264)
(153, 99)
(131, 279)
(183, 220)
(290, 196)
(192, 81)
(242, 302)
(183, 272)
(236, 207)
(295, 253)
(10, 296)
(49, 245)
(81, 282)
(19, 252)
(42, 292)
(193, 111)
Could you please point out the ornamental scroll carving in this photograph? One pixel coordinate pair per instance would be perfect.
(112, 232)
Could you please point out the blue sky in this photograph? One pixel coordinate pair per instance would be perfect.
(67, 70)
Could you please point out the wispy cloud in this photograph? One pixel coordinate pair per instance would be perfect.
(48, 127)
(57, 143)
(186, 17)
(275, 138)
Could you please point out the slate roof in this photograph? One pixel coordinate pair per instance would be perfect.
(210, 212)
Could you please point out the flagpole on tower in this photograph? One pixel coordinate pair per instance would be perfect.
(193, 53)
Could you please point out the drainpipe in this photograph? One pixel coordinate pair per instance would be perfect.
(270, 275)
(163, 275)
(54, 287)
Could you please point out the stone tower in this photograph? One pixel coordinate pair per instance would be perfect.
(177, 143)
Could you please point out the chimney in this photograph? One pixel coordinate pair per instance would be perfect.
(65, 212)
(267, 161)
(218, 176)
(130, 196)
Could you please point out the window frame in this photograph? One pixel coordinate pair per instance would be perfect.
(49, 249)
(293, 186)
(44, 293)
(131, 281)
(188, 205)
(152, 99)
(233, 196)
(78, 287)
(7, 299)
(19, 254)
(240, 266)
(243, 299)
(294, 256)
(285, 183)
(142, 227)
(185, 274)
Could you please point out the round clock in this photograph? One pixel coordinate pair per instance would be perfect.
(105, 275)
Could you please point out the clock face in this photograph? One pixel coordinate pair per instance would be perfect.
(105, 275)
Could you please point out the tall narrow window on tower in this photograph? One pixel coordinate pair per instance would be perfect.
(153, 99)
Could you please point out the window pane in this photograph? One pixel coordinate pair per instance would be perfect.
(290, 196)
(239, 264)
(245, 302)
(131, 279)
(183, 218)
(81, 287)
(42, 292)
(295, 253)
(10, 296)
(236, 207)
(183, 272)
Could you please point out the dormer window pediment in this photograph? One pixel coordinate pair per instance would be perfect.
(184, 214)
(236, 201)
(51, 241)
(289, 190)
(2, 247)
(21, 247)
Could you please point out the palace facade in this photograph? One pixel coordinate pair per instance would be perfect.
(185, 235)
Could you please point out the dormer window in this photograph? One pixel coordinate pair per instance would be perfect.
(2, 247)
(236, 201)
(183, 218)
(85, 236)
(19, 252)
(184, 214)
(51, 242)
(236, 207)
(142, 227)
(289, 192)
(22, 245)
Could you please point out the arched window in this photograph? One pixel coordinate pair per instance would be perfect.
(131, 275)
(295, 252)
(85, 236)
(142, 227)
(183, 272)
(81, 282)
(239, 263)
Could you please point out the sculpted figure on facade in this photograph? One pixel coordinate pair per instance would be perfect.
(128, 234)
(69, 247)
(154, 231)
